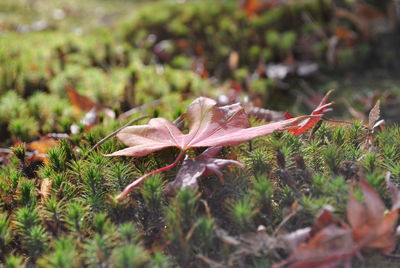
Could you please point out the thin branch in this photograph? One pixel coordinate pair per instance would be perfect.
(284, 221)
(140, 108)
(336, 121)
(109, 136)
(210, 262)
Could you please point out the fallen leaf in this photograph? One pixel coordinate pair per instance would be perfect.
(40, 149)
(254, 7)
(209, 125)
(251, 7)
(374, 115)
(203, 164)
(82, 103)
(366, 18)
(326, 244)
(43, 145)
(330, 247)
(79, 101)
(372, 227)
(312, 121)
(373, 123)
(330, 243)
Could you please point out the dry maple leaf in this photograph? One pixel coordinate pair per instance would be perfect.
(203, 164)
(331, 243)
(78, 101)
(374, 115)
(82, 103)
(209, 125)
(312, 121)
(328, 244)
(373, 228)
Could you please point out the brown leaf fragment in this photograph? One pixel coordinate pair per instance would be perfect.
(45, 188)
(43, 145)
(40, 149)
(324, 219)
(204, 164)
(374, 115)
(330, 247)
(374, 204)
(79, 101)
(376, 228)
(356, 213)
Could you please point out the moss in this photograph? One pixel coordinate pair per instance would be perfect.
(173, 55)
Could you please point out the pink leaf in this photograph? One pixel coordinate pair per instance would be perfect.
(209, 125)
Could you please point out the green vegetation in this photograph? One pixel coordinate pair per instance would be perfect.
(57, 199)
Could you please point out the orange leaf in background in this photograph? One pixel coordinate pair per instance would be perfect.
(345, 34)
(78, 101)
(364, 16)
(250, 7)
(40, 148)
(83, 103)
(43, 145)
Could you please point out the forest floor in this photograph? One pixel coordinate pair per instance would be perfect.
(310, 194)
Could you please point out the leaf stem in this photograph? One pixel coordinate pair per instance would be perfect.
(129, 188)
(109, 136)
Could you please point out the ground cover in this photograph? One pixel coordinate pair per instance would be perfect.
(290, 194)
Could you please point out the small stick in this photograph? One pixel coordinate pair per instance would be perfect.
(285, 220)
(140, 108)
(210, 262)
(112, 134)
(336, 121)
